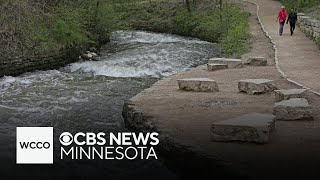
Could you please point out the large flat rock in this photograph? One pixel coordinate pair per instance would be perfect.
(198, 85)
(257, 61)
(214, 67)
(293, 109)
(256, 86)
(252, 127)
(232, 63)
(285, 94)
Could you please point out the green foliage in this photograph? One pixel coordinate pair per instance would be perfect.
(68, 27)
(77, 23)
(43, 28)
(235, 41)
(203, 22)
(106, 21)
(307, 6)
(185, 23)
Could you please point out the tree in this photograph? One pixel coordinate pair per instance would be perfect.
(188, 5)
(221, 8)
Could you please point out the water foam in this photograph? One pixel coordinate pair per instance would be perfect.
(148, 37)
(158, 55)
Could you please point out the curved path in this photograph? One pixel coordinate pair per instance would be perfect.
(186, 117)
(298, 57)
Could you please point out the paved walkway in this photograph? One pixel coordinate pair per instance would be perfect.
(293, 150)
(299, 57)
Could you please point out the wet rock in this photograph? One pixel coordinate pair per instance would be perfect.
(134, 118)
(252, 127)
(214, 67)
(293, 109)
(198, 85)
(256, 86)
(232, 63)
(89, 56)
(285, 94)
(257, 61)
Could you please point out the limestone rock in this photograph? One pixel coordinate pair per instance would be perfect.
(232, 63)
(214, 67)
(257, 61)
(285, 94)
(293, 109)
(256, 86)
(252, 127)
(198, 84)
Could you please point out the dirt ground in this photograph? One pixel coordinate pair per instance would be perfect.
(293, 150)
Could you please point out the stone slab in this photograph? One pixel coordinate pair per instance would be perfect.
(293, 109)
(214, 67)
(256, 86)
(257, 61)
(285, 94)
(252, 127)
(198, 85)
(232, 63)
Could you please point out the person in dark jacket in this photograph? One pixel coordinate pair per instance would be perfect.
(292, 18)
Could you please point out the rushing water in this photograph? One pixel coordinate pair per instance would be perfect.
(88, 96)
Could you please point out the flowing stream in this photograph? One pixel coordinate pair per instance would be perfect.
(89, 95)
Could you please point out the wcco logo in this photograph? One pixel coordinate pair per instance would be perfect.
(34, 145)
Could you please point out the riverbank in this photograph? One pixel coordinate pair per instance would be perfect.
(226, 25)
(74, 28)
(88, 96)
(186, 117)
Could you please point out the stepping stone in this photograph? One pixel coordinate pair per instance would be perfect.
(256, 86)
(293, 109)
(285, 94)
(232, 63)
(252, 127)
(198, 85)
(214, 67)
(257, 61)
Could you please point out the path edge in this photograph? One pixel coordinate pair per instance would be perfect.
(274, 46)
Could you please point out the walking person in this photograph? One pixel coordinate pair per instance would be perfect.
(282, 16)
(292, 18)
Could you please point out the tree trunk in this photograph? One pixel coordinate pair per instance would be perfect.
(221, 8)
(188, 6)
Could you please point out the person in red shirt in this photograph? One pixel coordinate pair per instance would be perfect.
(282, 16)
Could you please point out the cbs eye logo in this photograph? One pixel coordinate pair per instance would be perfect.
(66, 138)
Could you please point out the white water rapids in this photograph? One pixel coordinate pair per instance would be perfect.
(88, 96)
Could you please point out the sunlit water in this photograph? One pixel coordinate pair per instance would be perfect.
(88, 96)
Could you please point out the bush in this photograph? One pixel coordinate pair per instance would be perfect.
(45, 26)
(68, 27)
(203, 22)
(302, 5)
